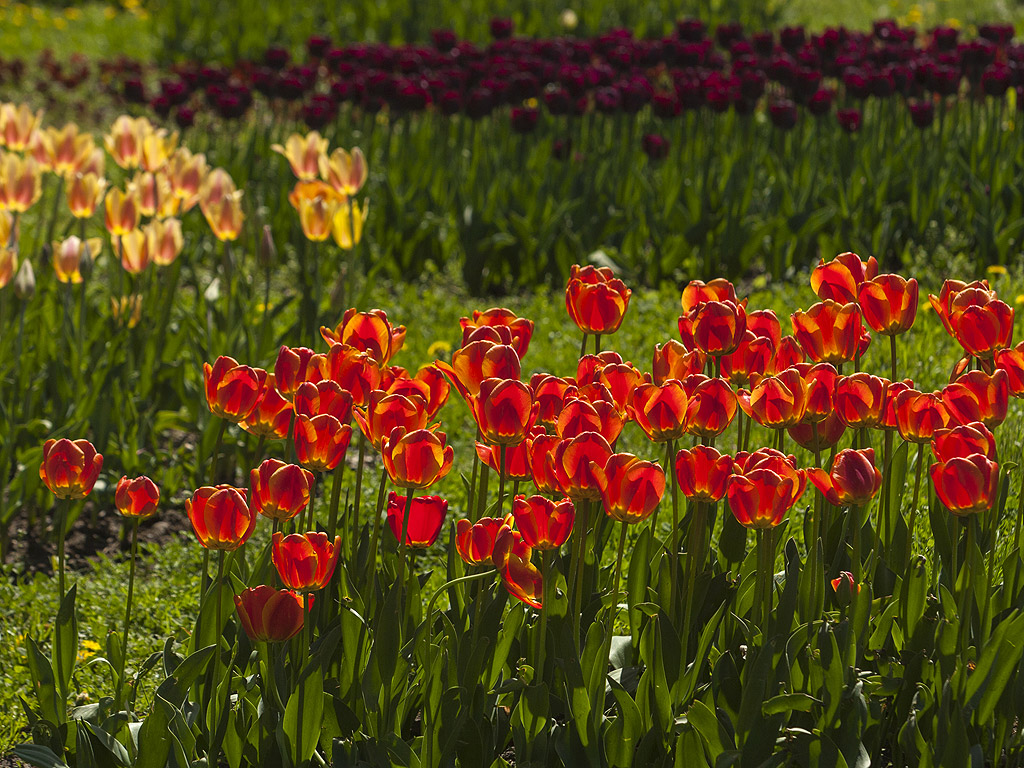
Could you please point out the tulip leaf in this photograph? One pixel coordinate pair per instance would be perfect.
(707, 724)
(65, 636)
(39, 756)
(789, 702)
(303, 715)
(154, 735)
(175, 687)
(45, 686)
(620, 740)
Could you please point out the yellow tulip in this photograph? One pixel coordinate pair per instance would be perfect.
(304, 154)
(348, 229)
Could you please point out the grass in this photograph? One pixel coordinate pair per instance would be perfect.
(99, 30)
(430, 307)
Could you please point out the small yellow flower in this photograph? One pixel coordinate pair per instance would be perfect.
(953, 22)
(73, 14)
(87, 650)
(438, 348)
(997, 269)
(1019, 299)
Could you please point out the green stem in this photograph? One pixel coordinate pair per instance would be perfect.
(855, 513)
(501, 479)
(375, 536)
(545, 571)
(581, 555)
(767, 541)
(669, 462)
(913, 507)
(613, 607)
(583, 346)
(219, 626)
(332, 519)
(694, 565)
(128, 611)
(402, 546)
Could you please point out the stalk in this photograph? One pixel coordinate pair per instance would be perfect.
(359, 474)
(694, 564)
(375, 536)
(613, 608)
(545, 571)
(669, 456)
(583, 345)
(128, 610)
(332, 519)
(501, 478)
(577, 567)
(401, 555)
(913, 508)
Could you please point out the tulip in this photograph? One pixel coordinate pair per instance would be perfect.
(316, 217)
(323, 397)
(132, 249)
(232, 390)
(122, 211)
(764, 324)
(1009, 360)
(983, 329)
(270, 615)
(384, 413)
(225, 216)
(165, 240)
(888, 304)
(186, 173)
(345, 172)
(919, 415)
(818, 436)
(84, 192)
(478, 361)
(966, 485)
(673, 361)
(544, 524)
(821, 381)
(576, 462)
(220, 517)
(963, 441)
(20, 183)
(157, 148)
(703, 473)
(18, 123)
(425, 519)
(588, 368)
(154, 195)
(860, 400)
(778, 401)
(595, 299)
(271, 418)
(70, 468)
(68, 257)
(369, 332)
(305, 561)
(950, 289)
(295, 365)
(716, 327)
(712, 405)
(978, 396)
(429, 385)
(517, 458)
(621, 380)
(698, 292)
(660, 411)
(475, 542)
(841, 278)
(8, 263)
(417, 458)
(348, 223)
(356, 372)
(752, 358)
(124, 142)
(631, 489)
(853, 481)
(787, 354)
(523, 580)
(505, 411)
(136, 497)
(551, 393)
(830, 332)
(279, 491)
(303, 154)
(320, 441)
(579, 416)
(520, 328)
(127, 310)
(760, 498)
(542, 450)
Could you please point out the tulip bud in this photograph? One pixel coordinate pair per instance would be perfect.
(267, 252)
(85, 261)
(25, 281)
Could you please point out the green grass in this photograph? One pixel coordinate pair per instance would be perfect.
(98, 30)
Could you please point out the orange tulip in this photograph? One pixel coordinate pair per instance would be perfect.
(8, 263)
(418, 458)
(270, 615)
(132, 248)
(385, 413)
(983, 328)
(579, 416)
(660, 411)
(766, 484)
(136, 497)
(478, 361)
(588, 368)
(963, 441)
(716, 327)
(475, 542)
(595, 299)
(787, 354)
(621, 380)
(303, 154)
(702, 473)
(232, 390)
(576, 462)
(20, 183)
(818, 436)
(673, 361)
(860, 400)
(551, 393)
(776, 401)
(888, 303)
(357, 372)
(830, 332)
(68, 257)
(320, 441)
(841, 278)
(542, 450)
(279, 491)
(919, 415)
(272, 415)
(124, 142)
(220, 517)
(225, 217)
(853, 481)
(966, 485)
(950, 289)
(978, 396)
(520, 329)
(765, 324)
(295, 365)
(752, 357)
(84, 192)
(698, 292)
(544, 524)
(369, 332)
(425, 519)
(631, 489)
(1010, 360)
(305, 561)
(70, 468)
(429, 385)
(186, 173)
(505, 411)
(122, 211)
(346, 172)
(165, 241)
(821, 381)
(523, 580)
(323, 397)
(712, 405)
(18, 123)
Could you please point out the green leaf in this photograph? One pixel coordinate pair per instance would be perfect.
(39, 756)
(154, 736)
(302, 716)
(45, 687)
(789, 702)
(621, 738)
(65, 636)
(706, 722)
(175, 687)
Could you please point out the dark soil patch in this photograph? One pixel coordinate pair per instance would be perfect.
(10, 761)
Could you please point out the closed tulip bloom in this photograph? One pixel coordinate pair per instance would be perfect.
(712, 405)
(232, 390)
(889, 420)
(165, 240)
(346, 172)
(950, 289)
(596, 301)
(295, 365)
(505, 411)
(416, 459)
(305, 561)
(154, 195)
(136, 497)
(517, 459)
(860, 400)
(225, 217)
(20, 182)
(68, 148)
(702, 473)
(1011, 361)
(631, 489)
(425, 518)
(778, 401)
(576, 462)
(348, 223)
(18, 123)
(844, 582)
(919, 415)
(888, 303)
(475, 541)
(70, 468)
(271, 418)
(157, 148)
(279, 491)
(551, 393)
(966, 485)
(320, 441)
(356, 372)
(369, 332)
(765, 324)
(983, 329)
(978, 396)
(303, 154)
(220, 517)
(764, 488)
(621, 380)
(841, 278)
(478, 361)
(523, 580)
(660, 411)
(543, 523)
(122, 211)
(384, 413)
(672, 360)
(520, 328)
(316, 217)
(542, 450)
(853, 481)
(588, 368)
(818, 436)
(787, 354)
(698, 292)
(132, 249)
(84, 192)
(716, 327)
(124, 142)
(579, 416)
(323, 397)
(68, 255)
(186, 172)
(830, 332)
(752, 358)
(963, 441)
(821, 381)
(269, 615)
(429, 385)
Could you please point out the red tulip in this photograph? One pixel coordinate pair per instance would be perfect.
(950, 288)
(232, 390)
(520, 328)
(320, 441)
(660, 411)
(589, 367)
(279, 491)
(478, 361)
(840, 279)
(853, 481)
(821, 381)
(978, 396)
(716, 327)
(698, 292)
(475, 541)
(889, 420)
(919, 415)
(787, 354)
(368, 332)
(765, 324)
(576, 462)
(595, 299)
(70, 468)
(417, 458)
(753, 357)
(818, 436)
(631, 489)
(305, 561)
(323, 397)
(295, 366)
(136, 497)
(966, 485)
(674, 361)
(523, 581)
(830, 332)
(712, 405)
(765, 486)
(776, 401)
(357, 372)
(429, 384)
(1011, 360)
(860, 400)
(702, 473)
(386, 412)
(505, 411)
(270, 615)
(220, 517)
(544, 524)
(551, 394)
(272, 415)
(620, 379)
(983, 329)
(425, 518)
(888, 303)
(517, 459)
(579, 416)
(963, 441)
(542, 468)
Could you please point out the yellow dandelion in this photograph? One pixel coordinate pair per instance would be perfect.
(73, 14)
(1019, 299)
(997, 269)
(110, 13)
(439, 348)
(59, 23)
(87, 650)
(953, 22)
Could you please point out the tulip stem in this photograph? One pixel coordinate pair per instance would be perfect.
(375, 536)
(613, 607)
(128, 610)
(402, 546)
(892, 357)
(913, 507)
(219, 627)
(766, 545)
(694, 564)
(583, 346)
(855, 513)
(966, 596)
(885, 518)
(471, 501)
(669, 462)
(62, 515)
(597, 343)
(501, 478)
(545, 572)
(332, 519)
(993, 530)
(359, 475)
(578, 565)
